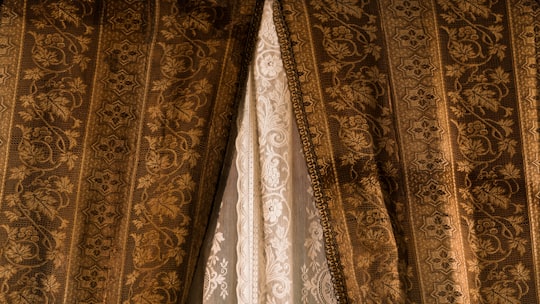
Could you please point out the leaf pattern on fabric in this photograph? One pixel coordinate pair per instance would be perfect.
(418, 121)
(445, 118)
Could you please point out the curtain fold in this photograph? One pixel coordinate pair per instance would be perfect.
(115, 117)
(420, 128)
(279, 255)
(418, 179)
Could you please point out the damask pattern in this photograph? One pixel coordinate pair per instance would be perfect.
(39, 191)
(489, 173)
(168, 220)
(107, 180)
(108, 107)
(525, 15)
(11, 32)
(451, 184)
(418, 120)
(364, 162)
(432, 205)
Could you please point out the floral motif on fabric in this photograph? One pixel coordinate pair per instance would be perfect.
(489, 175)
(39, 193)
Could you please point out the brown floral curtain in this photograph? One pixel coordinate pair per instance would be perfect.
(419, 123)
(115, 118)
(421, 128)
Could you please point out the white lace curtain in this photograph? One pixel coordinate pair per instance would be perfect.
(268, 244)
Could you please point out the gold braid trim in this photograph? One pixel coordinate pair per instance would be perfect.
(330, 244)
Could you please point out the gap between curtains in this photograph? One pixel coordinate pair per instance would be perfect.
(418, 122)
(268, 245)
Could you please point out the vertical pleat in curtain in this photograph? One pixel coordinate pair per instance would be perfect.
(418, 122)
(420, 126)
(114, 120)
(268, 246)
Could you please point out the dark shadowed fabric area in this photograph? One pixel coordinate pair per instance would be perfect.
(338, 151)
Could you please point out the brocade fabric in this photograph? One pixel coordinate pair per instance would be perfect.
(115, 119)
(419, 122)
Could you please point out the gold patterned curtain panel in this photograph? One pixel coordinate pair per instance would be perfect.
(122, 123)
